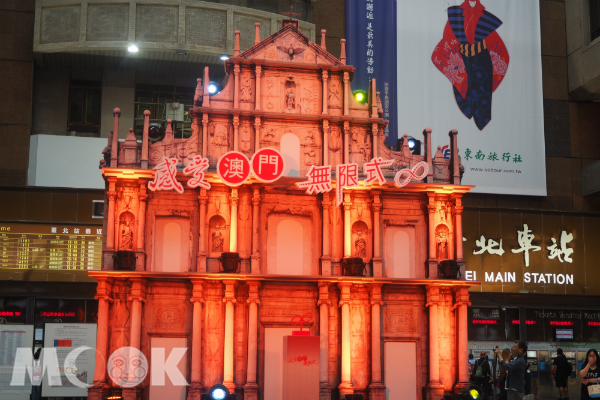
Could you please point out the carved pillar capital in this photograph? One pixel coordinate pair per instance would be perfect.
(229, 296)
(236, 69)
(138, 290)
(325, 74)
(258, 70)
(346, 77)
(204, 119)
(323, 293)
(253, 292)
(111, 196)
(433, 295)
(256, 195)
(461, 297)
(197, 292)
(236, 121)
(376, 296)
(234, 197)
(344, 292)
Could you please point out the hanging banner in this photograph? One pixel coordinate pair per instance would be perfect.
(475, 66)
(371, 38)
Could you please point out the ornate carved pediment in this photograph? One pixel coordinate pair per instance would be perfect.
(290, 45)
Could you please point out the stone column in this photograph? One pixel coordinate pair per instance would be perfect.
(325, 142)
(201, 259)
(346, 142)
(236, 86)
(236, 133)
(194, 393)
(257, 100)
(325, 78)
(458, 233)
(461, 301)
(233, 226)
(376, 388)
(375, 146)
(432, 256)
(251, 386)
(377, 260)
(114, 149)
(326, 257)
(347, 93)
(205, 135)
(346, 386)
(140, 252)
(137, 296)
(347, 226)
(323, 303)
(103, 295)
(256, 134)
(255, 263)
(434, 389)
(229, 300)
(109, 250)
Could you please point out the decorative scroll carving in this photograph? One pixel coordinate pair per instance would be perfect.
(400, 320)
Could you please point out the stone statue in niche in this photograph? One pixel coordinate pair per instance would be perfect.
(290, 105)
(441, 239)
(126, 237)
(126, 222)
(360, 246)
(246, 88)
(217, 240)
(334, 95)
(289, 100)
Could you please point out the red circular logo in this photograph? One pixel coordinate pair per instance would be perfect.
(233, 168)
(267, 165)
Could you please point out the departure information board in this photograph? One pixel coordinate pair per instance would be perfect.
(52, 247)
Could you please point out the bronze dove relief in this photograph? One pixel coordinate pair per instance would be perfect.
(291, 51)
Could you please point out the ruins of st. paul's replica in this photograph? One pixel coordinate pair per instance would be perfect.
(285, 201)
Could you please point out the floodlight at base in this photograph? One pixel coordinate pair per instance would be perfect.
(218, 392)
(473, 392)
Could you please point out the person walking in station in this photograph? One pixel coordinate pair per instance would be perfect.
(482, 373)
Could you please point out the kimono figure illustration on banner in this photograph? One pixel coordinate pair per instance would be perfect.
(473, 57)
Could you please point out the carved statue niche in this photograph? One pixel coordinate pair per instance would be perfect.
(217, 231)
(126, 225)
(442, 236)
(359, 237)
